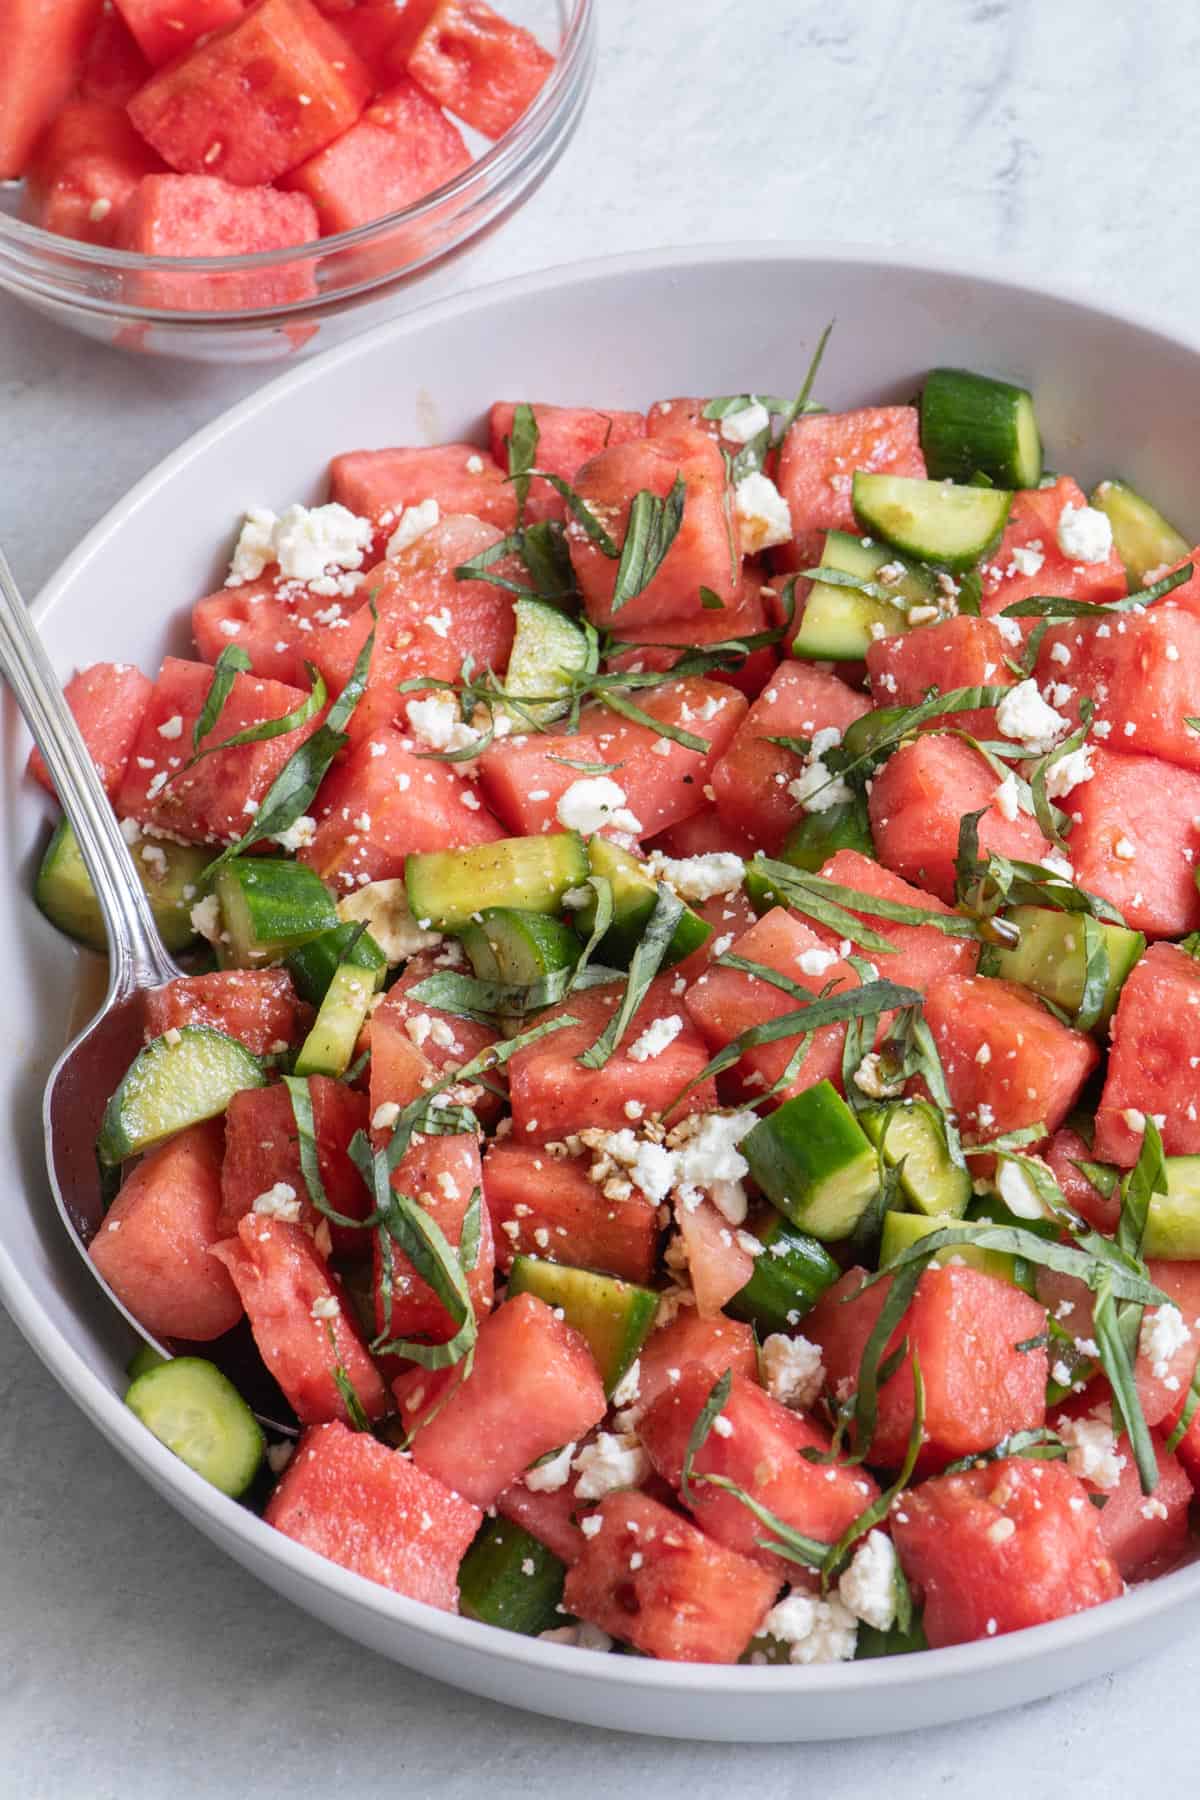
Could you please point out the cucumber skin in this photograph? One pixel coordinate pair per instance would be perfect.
(807, 1146)
(522, 946)
(886, 505)
(593, 1304)
(329, 1047)
(493, 1585)
(1032, 963)
(1143, 538)
(269, 905)
(155, 1389)
(64, 894)
(1173, 1223)
(951, 1197)
(634, 897)
(818, 836)
(782, 1286)
(836, 622)
(447, 887)
(972, 424)
(312, 966)
(116, 1144)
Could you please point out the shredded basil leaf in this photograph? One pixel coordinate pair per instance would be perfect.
(233, 661)
(653, 527)
(644, 966)
(522, 452)
(1147, 1178)
(270, 728)
(1054, 606)
(803, 402)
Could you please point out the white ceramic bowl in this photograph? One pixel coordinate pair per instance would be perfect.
(1115, 396)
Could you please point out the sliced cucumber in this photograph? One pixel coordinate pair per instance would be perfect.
(143, 1360)
(447, 887)
(1050, 957)
(913, 1132)
(820, 835)
(634, 895)
(973, 425)
(199, 1415)
(933, 521)
(313, 965)
(171, 875)
(873, 733)
(329, 1047)
(813, 1161)
(510, 945)
(872, 1642)
(789, 1277)
(508, 1578)
(176, 1081)
(1144, 540)
(614, 1316)
(901, 1230)
(1173, 1224)
(268, 906)
(548, 650)
(839, 623)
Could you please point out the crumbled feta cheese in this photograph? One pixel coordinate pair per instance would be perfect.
(1009, 630)
(708, 1160)
(1091, 1451)
(1059, 653)
(1125, 849)
(815, 1631)
(1084, 534)
(655, 1039)
(1163, 1332)
(578, 1637)
(415, 521)
(793, 1372)
(325, 1306)
(1070, 771)
(255, 547)
(1007, 799)
(310, 541)
(382, 906)
(594, 802)
(548, 1477)
(817, 961)
(628, 1388)
(762, 513)
(1027, 559)
(1024, 716)
(278, 1202)
(475, 465)
(698, 877)
(739, 427)
(438, 722)
(869, 1078)
(205, 917)
(612, 1461)
(279, 1456)
(172, 727)
(1017, 1190)
(300, 833)
(815, 788)
(868, 1586)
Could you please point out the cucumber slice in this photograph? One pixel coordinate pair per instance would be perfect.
(864, 735)
(932, 520)
(313, 966)
(615, 1317)
(973, 425)
(174, 1082)
(789, 1277)
(871, 1642)
(199, 1415)
(1173, 1223)
(634, 894)
(813, 1161)
(508, 1578)
(820, 835)
(1144, 540)
(838, 623)
(268, 906)
(901, 1230)
(144, 1358)
(1049, 959)
(329, 1047)
(172, 879)
(548, 649)
(510, 945)
(913, 1132)
(447, 887)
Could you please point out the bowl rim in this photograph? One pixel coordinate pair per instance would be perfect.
(493, 168)
(226, 1519)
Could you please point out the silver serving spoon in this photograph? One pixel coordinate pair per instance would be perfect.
(91, 1066)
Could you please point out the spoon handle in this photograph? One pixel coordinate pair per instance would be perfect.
(136, 954)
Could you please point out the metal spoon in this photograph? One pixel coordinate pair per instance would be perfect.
(90, 1067)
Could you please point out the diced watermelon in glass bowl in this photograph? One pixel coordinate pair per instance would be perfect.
(146, 203)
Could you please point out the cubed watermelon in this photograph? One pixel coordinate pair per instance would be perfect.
(660, 643)
(215, 801)
(262, 1148)
(1045, 569)
(441, 1174)
(817, 463)
(1011, 1544)
(718, 1265)
(923, 954)
(665, 417)
(401, 149)
(1008, 1061)
(1142, 672)
(730, 915)
(568, 437)
(202, 215)
(750, 782)
(712, 1344)
(957, 653)
(113, 66)
(1065, 1151)
(533, 1387)
(108, 702)
(701, 833)
(166, 28)
(258, 1007)
(257, 98)
(550, 1517)
(302, 1321)
(85, 167)
(370, 1509)
(464, 480)
(153, 1247)
(650, 1578)
(1144, 1537)
(475, 63)
(917, 801)
(554, 1095)
(1134, 840)
(544, 1205)
(281, 625)
(44, 44)
(1151, 1069)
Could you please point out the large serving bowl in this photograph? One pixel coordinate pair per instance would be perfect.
(1115, 396)
(348, 280)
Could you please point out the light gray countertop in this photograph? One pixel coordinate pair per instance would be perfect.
(134, 1660)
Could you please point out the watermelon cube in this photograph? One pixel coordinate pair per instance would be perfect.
(44, 46)
(379, 484)
(1155, 1036)
(1143, 1540)
(923, 954)
(718, 1266)
(553, 1095)
(351, 1499)
(957, 653)
(1142, 674)
(817, 463)
(257, 98)
(85, 167)
(201, 215)
(568, 437)
(702, 832)
(108, 702)
(412, 1044)
(650, 1578)
(262, 1149)
(302, 1321)
(258, 1007)
(1012, 1544)
(965, 1328)
(402, 148)
(215, 801)
(543, 1205)
(1065, 1151)
(705, 553)
(550, 1517)
(113, 66)
(730, 915)
(533, 1387)
(441, 1174)
(917, 801)
(1033, 528)
(164, 29)
(657, 645)
(281, 625)
(153, 1247)
(1009, 1062)
(476, 64)
(665, 417)
(750, 782)
(712, 1344)
(1134, 840)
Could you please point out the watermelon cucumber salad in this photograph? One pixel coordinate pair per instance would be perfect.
(218, 127)
(689, 1074)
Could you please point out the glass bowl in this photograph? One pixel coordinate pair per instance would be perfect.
(195, 306)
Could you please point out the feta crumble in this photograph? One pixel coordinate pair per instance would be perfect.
(739, 427)
(868, 1587)
(1163, 1332)
(762, 513)
(594, 802)
(814, 1631)
(612, 1461)
(1084, 534)
(655, 1039)
(1024, 716)
(698, 877)
(793, 1372)
(549, 1477)
(415, 521)
(1091, 1451)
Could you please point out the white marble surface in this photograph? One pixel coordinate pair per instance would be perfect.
(134, 1661)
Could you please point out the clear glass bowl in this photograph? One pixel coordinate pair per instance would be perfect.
(342, 283)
